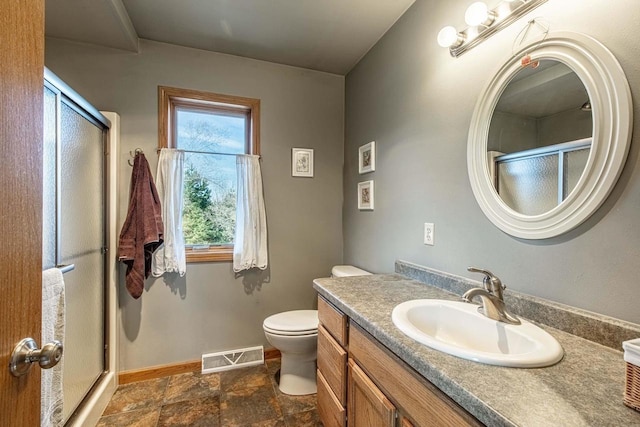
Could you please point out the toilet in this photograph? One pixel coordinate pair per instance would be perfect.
(295, 334)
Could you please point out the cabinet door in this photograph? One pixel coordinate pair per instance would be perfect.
(367, 406)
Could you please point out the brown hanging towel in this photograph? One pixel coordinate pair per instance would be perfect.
(143, 230)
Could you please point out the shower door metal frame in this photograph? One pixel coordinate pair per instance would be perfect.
(73, 100)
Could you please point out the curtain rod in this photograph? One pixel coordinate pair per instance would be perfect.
(209, 152)
(137, 151)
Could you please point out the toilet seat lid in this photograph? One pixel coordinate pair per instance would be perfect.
(309, 333)
(293, 321)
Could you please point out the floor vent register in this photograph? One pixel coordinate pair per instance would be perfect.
(232, 359)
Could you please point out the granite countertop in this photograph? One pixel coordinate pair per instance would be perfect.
(583, 389)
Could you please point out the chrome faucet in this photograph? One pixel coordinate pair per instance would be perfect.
(491, 297)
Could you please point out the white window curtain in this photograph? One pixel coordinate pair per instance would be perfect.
(170, 257)
(250, 245)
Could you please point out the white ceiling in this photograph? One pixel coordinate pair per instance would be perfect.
(324, 35)
(546, 90)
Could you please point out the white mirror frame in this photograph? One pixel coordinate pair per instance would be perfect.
(612, 109)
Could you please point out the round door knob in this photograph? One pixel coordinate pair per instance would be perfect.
(27, 352)
(50, 355)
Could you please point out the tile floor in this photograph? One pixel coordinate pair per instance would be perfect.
(238, 398)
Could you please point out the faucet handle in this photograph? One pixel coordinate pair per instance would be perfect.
(481, 271)
(490, 281)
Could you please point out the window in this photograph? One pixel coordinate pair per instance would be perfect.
(210, 128)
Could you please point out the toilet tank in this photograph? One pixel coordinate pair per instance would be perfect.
(347, 270)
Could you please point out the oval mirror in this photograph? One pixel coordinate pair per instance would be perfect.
(548, 141)
(539, 137)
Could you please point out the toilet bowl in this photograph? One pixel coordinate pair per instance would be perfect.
(295, 334)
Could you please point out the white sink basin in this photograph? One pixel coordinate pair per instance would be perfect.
(458, 329)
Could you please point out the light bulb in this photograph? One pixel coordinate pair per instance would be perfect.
(478, 14)
(448, 36)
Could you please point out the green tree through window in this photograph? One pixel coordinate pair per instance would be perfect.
(207, 220)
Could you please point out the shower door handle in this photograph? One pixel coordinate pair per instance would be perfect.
(27, 352)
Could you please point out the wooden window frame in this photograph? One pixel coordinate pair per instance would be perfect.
(168, 99)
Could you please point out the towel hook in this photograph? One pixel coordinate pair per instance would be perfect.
(133, 154)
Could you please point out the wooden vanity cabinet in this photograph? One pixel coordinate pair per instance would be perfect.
(377, 388)
(332, 365)
(420, 402)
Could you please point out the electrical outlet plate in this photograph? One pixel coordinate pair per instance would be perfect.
(429, 237)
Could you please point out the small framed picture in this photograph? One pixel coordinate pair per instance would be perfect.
(302, 162)
(367, 157)
(365, 196)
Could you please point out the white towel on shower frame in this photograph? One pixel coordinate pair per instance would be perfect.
(53, 328)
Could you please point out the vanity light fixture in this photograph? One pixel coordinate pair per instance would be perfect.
(450, 37)
(483, 23)
(479, 14)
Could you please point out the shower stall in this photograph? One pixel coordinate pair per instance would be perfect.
(532, 182)
(78, 155)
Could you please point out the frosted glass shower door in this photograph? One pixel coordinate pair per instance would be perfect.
(533, 182)
(81, 242)
(529, 185)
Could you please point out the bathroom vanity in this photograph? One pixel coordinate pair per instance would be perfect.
(371, 374)
(360, 386)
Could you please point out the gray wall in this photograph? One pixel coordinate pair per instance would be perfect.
(416, 102)
(564, 127)
(178, 319)
(509, 132)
